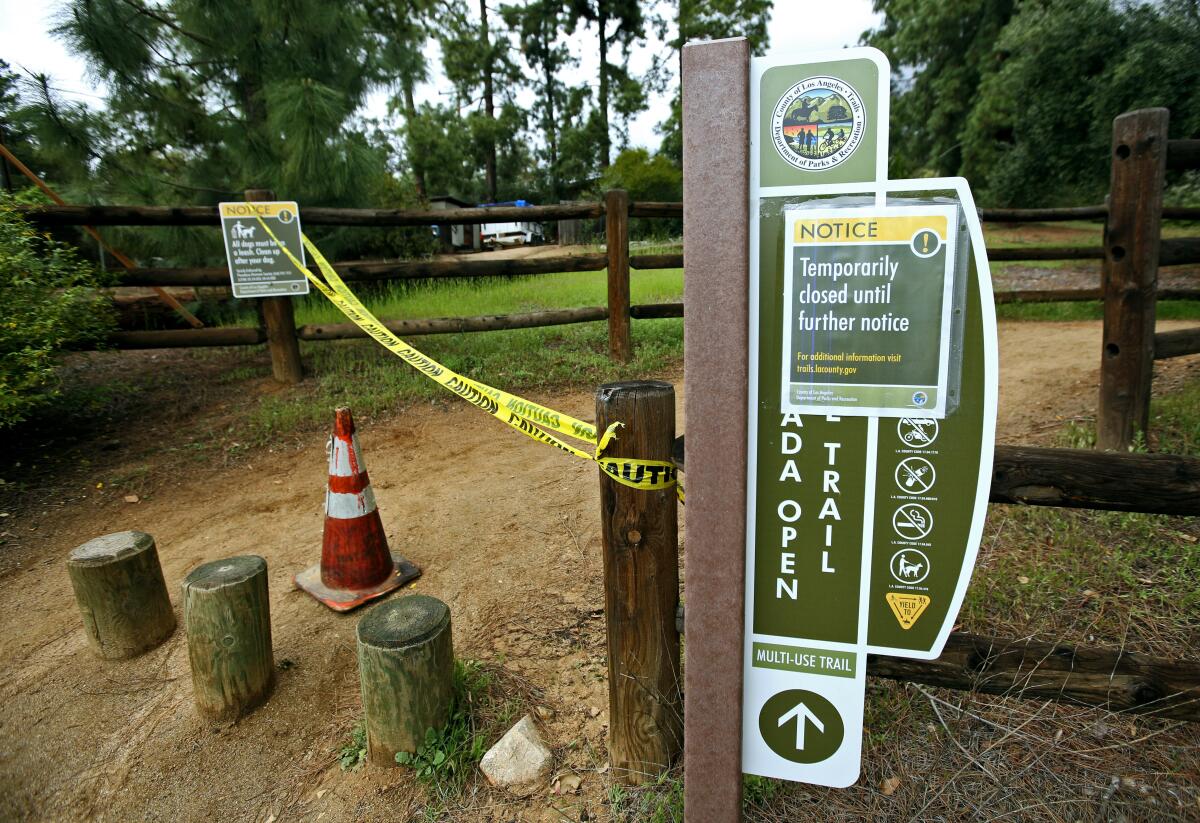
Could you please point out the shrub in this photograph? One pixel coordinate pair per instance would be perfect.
(49, 300)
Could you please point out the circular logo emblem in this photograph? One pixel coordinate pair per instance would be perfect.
(818, 123)
(925, 243)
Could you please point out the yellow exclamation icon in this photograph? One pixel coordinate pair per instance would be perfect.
(925, 242)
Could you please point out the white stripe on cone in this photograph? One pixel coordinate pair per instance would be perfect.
(339, 457)
(339, 505)
(348, 506)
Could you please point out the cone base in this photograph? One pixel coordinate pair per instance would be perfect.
(343, 600)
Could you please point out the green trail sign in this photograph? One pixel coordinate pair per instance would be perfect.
(872, 369)
(257, 265)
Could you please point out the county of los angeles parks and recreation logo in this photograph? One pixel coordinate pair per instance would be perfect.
(818, 123)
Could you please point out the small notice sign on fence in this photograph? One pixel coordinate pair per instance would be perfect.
(257, 266)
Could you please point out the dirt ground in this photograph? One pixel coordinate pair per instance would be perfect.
(506, 532)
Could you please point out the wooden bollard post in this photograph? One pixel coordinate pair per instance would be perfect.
(228, 618)
(641, 586)
(406, 672)
(121, 594)
(616, 229)
(280, 320)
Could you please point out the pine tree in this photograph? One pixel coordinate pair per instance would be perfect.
(940, 53)
(619, 24)
(401, 29)
(704, 20)
(218, 97)
(538, 26)
(476, 60)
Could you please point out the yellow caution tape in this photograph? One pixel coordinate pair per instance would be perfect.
(531, 419)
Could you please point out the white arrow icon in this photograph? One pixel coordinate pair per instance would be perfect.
(801, 713)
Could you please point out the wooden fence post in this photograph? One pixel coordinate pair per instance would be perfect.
(641, 586)
(616, 225)
(280, 321)
(1132, 235)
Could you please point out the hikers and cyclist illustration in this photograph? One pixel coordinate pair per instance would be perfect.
(818, 125)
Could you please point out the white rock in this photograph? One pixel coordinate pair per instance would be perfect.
(520, 763)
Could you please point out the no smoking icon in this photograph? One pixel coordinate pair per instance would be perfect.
(912, 521)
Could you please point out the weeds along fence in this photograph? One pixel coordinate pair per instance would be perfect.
(1132, 251)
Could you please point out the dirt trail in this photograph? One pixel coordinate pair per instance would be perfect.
(507, 534)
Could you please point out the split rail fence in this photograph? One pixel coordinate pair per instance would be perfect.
(1131, 254)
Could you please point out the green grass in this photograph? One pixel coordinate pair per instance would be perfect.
(1094, 576)
(1175, 422)
(465, 297)
(659, 801)
(1107, 578)
(353, 752)
(1090, 310)
(374, 381)
(520, 360)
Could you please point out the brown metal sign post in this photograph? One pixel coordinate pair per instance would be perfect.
(716, 232)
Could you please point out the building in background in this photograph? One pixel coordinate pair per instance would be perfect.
(520, 233)
(460, 237)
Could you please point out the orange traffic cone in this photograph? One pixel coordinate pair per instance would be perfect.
(356, 565)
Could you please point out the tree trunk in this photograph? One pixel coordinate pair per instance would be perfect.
(406, 672)
(551, 131)
(602, 24)
(228, 617)
(121, 594)
(489, 107)
(410, 115)
(6, 176)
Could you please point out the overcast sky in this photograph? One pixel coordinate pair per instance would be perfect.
(26, 44)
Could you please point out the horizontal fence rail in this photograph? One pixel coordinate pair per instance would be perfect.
(1176, 343)
(373, 270)
(309, 215)
(105, 215)
(1110, 679)
(1080, 478)
(1183, 154)
(1084, 479)
(1173, 344)
(244, 336)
